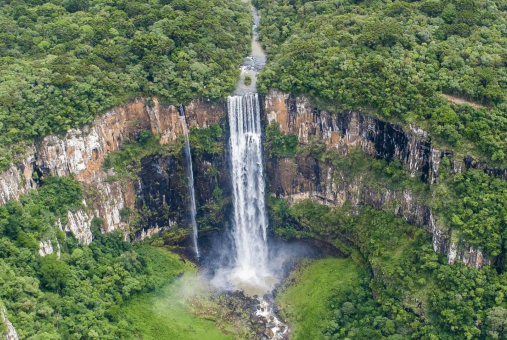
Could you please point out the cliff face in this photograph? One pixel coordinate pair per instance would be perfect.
(81, 152)
(305, 177)
(162, 188)
(160, 195)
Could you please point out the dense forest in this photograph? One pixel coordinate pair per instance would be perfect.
(435, 64)
(412, 294)
(394, 59)
(76, 292)
(63, 62)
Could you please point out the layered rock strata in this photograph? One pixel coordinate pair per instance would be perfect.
(304, 177)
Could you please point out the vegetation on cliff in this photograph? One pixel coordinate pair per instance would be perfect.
(278, 144)
(207, 148)
(63, 62)
(395, 58)
(126, 162)
(417, 294)
(412, 292)
(473, 203)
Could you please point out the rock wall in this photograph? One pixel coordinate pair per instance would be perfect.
(81, 152)
(11, 332)
(163, 190)
(46, 248)
(305, 177)
(351, 128)
(412, 146)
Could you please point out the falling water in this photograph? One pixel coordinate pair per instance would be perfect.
(190, 180)
(250, 272)
(250, 220)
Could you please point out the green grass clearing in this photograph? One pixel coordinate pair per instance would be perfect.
(305, 303)
(165, 314)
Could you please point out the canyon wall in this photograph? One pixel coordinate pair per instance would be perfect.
(81, 152)
(162, 188)
(160, 195)
(304, 177)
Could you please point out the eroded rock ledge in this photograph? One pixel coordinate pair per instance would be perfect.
(303, 177)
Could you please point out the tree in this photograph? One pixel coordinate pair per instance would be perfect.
(53, 273)
(496, 323)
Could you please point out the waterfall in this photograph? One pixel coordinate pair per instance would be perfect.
(250, 222)
(190, 180)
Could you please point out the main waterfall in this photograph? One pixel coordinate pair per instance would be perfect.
(246, 268)
(250, 222)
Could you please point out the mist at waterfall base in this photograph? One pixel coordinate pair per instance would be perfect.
(218, 262)
(243, 259)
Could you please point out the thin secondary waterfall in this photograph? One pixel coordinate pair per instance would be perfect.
(250, 220)
(190, 180)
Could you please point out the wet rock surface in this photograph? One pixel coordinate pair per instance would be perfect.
(259, 314)
(162, 190)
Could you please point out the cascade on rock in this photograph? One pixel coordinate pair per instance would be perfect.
(250, 221)
(190, 181)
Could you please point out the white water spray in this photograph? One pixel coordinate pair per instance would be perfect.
(190, 180)
(250, 222)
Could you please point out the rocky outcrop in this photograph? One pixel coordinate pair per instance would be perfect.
(11, 332)
(81, 152)
(379, 139)
(79, 224)
(46, 248)
(305, 177)
(467, 255)
(18, 179)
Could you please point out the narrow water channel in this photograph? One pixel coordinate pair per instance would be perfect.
(253, 63)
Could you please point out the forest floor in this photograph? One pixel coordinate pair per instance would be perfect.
(457, 100)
